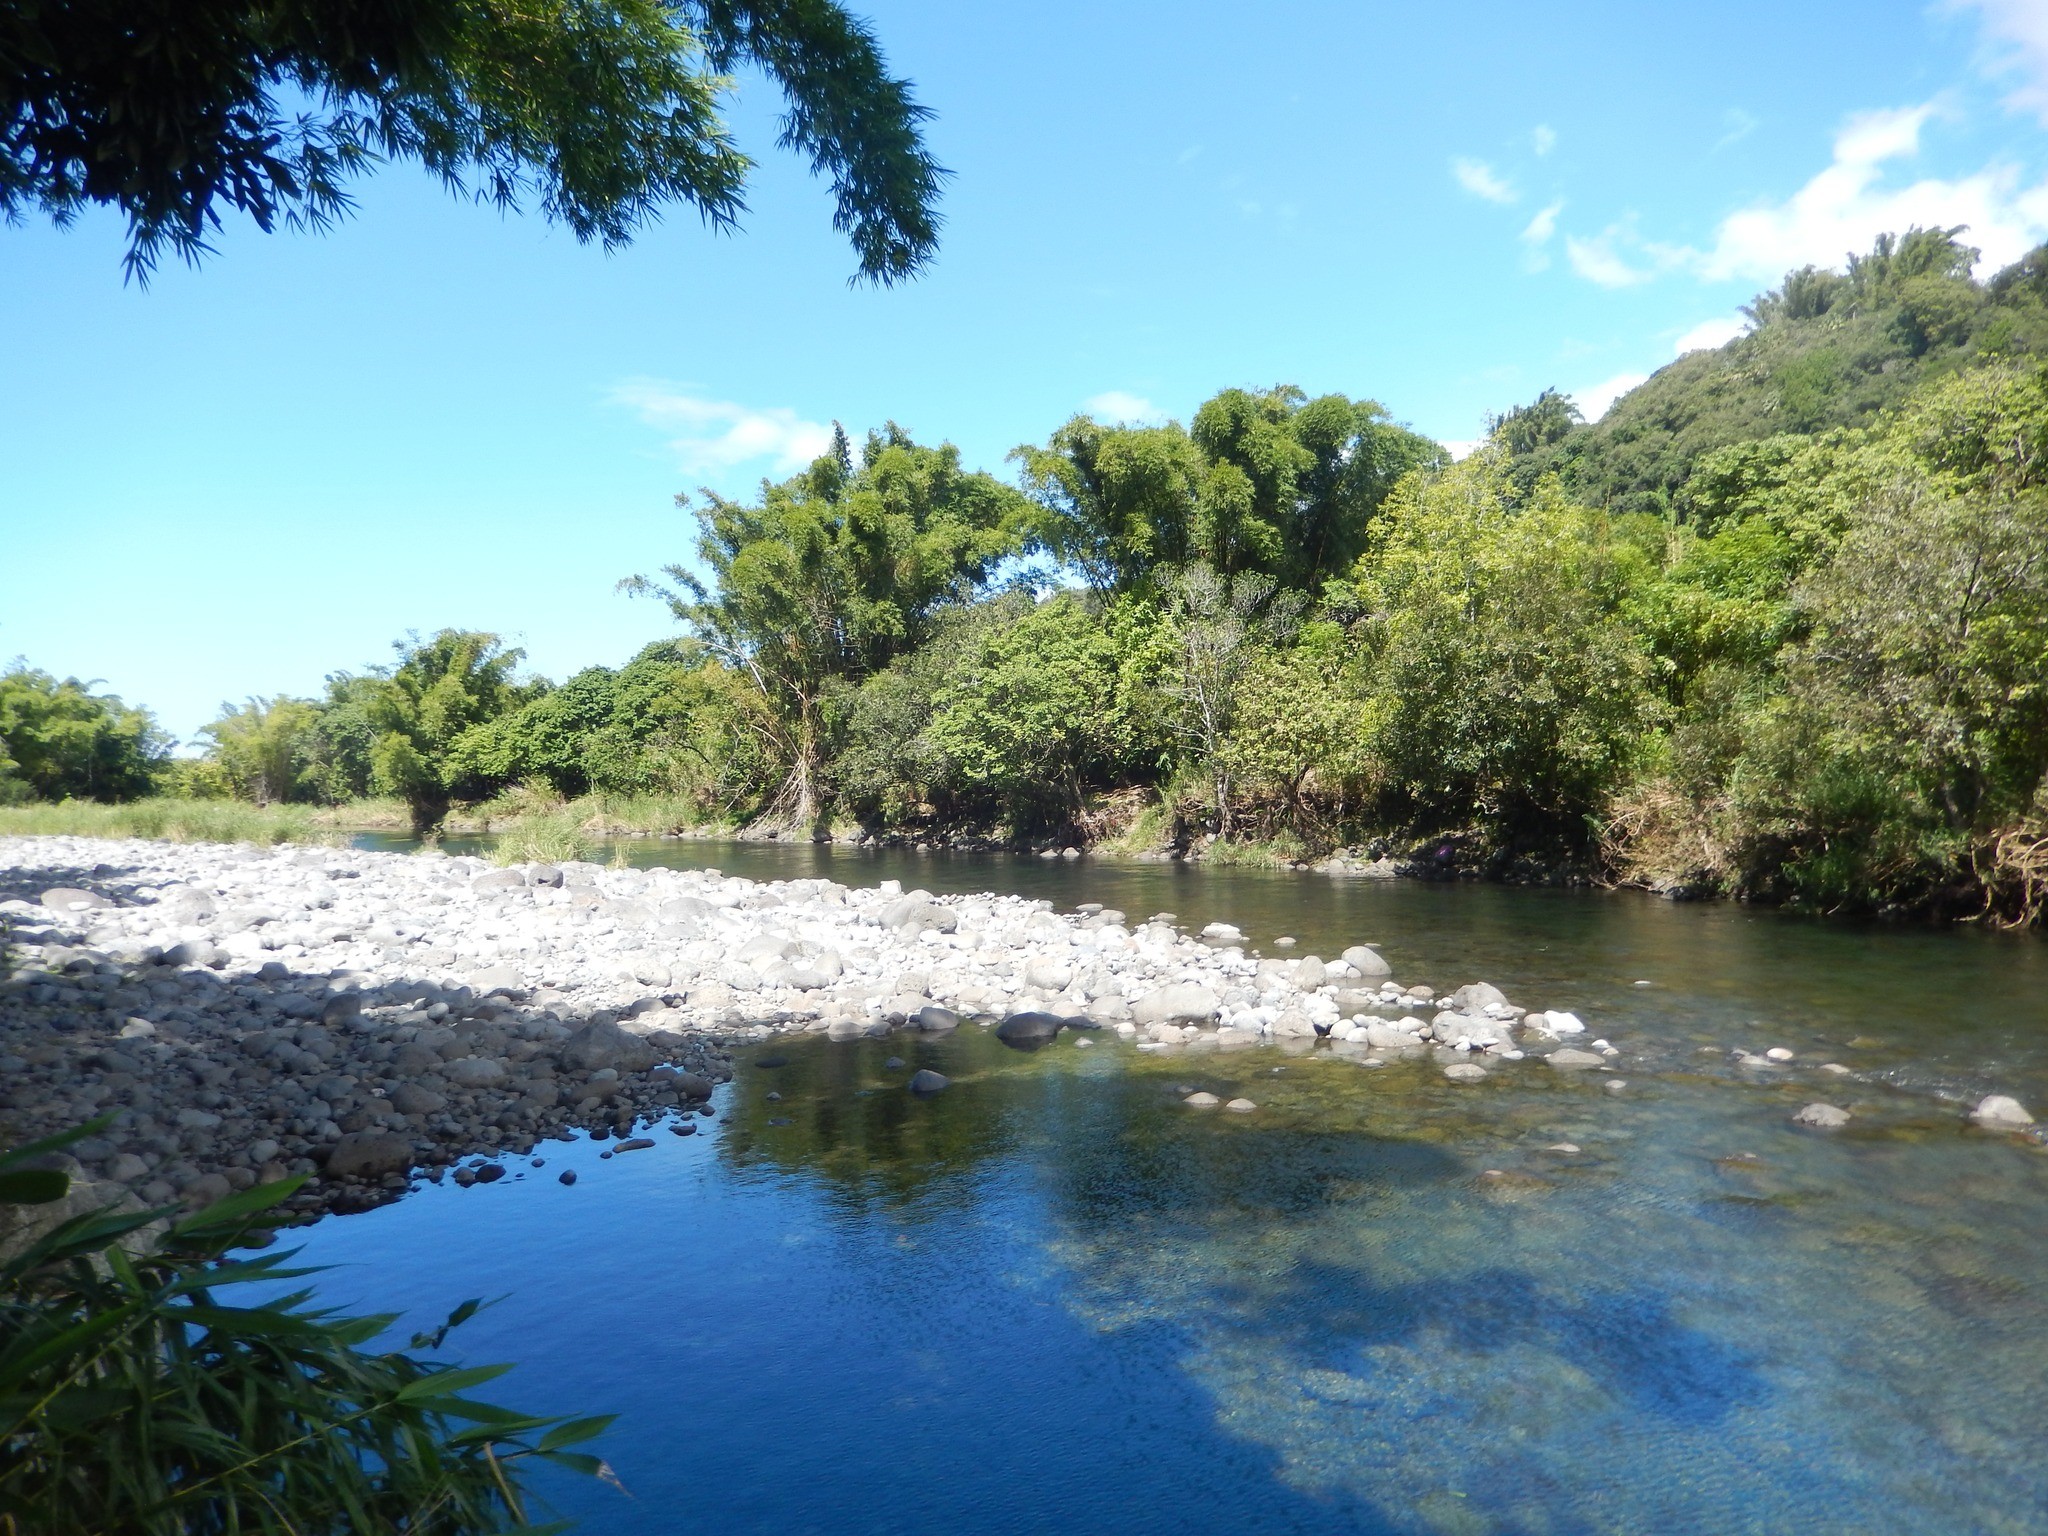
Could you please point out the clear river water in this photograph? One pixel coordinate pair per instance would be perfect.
(1053, 1298)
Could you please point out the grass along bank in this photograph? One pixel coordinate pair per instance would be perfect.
(178, 821)
(531, 827)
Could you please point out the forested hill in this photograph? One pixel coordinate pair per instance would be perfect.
(1825, 349)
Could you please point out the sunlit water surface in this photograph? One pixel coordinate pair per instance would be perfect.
(1054, 1298)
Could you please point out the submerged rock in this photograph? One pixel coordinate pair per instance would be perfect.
(1572, 1060)
(925, 1080)
(1822, 1117)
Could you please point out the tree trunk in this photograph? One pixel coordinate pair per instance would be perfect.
(428, 808)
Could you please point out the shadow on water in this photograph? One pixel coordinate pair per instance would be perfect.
(1626, 1339)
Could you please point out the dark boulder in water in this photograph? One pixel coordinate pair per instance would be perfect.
(935, 1020)
(1029, 1031)
(927, 1081)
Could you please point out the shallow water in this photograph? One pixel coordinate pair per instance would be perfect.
(1054, 1297)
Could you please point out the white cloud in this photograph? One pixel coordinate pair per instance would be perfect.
(1596, 261)
(1544, 225)
(1709, 334)
(1481, 180)
(1594, 399)
(1844, 207)
(2023, 26)
(1740, 126)
(1543, 138)
(1463, 447)
(713, 435)
(1120, 405)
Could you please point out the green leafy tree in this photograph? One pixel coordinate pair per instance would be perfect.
(1506, 683)
(1036, 712)
(1118, 502)
(1267, 481)
(419, 707)
(61, 741)
(1915, 721)
(604, 112)
(548, 739)
(1297, 746)
(828, 578)
(1547, 419)
(1219, 627)
(260, 748)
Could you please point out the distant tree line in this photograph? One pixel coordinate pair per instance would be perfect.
(1749, 634)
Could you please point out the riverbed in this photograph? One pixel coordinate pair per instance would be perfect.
(1054, 1296)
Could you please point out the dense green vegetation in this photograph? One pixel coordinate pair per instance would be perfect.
(1734, 638)
(1825, 349)
(142, 1391)
(604, 112)
(61, 741)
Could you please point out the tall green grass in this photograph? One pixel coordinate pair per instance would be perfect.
(539, 839)
(176, 821)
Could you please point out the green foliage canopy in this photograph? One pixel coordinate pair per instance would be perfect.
(1270, 482)
(602, 111)
(835, 572)
(59, 740)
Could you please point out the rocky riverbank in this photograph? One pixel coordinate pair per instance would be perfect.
(365, 1018)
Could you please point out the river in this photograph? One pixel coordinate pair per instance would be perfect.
(1053, 1297)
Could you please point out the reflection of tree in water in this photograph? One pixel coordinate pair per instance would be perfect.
(854, 1126)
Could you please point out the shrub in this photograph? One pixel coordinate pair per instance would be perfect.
(137, 1396)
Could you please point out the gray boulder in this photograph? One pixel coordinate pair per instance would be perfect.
(925, 1080)
(412, 1099)
(1048, 976)
(65, 898)
(1574, 1060)
(500, 979)
(1182, 1002)
(600, 1044)
(1998, 1112)
(1366, 960)
(1822, 1117)
(1477, 997)
(475, 1072)
(369, 1154)
(915, 914)
(935, 1020)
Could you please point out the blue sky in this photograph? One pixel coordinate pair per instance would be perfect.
(264, 469)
